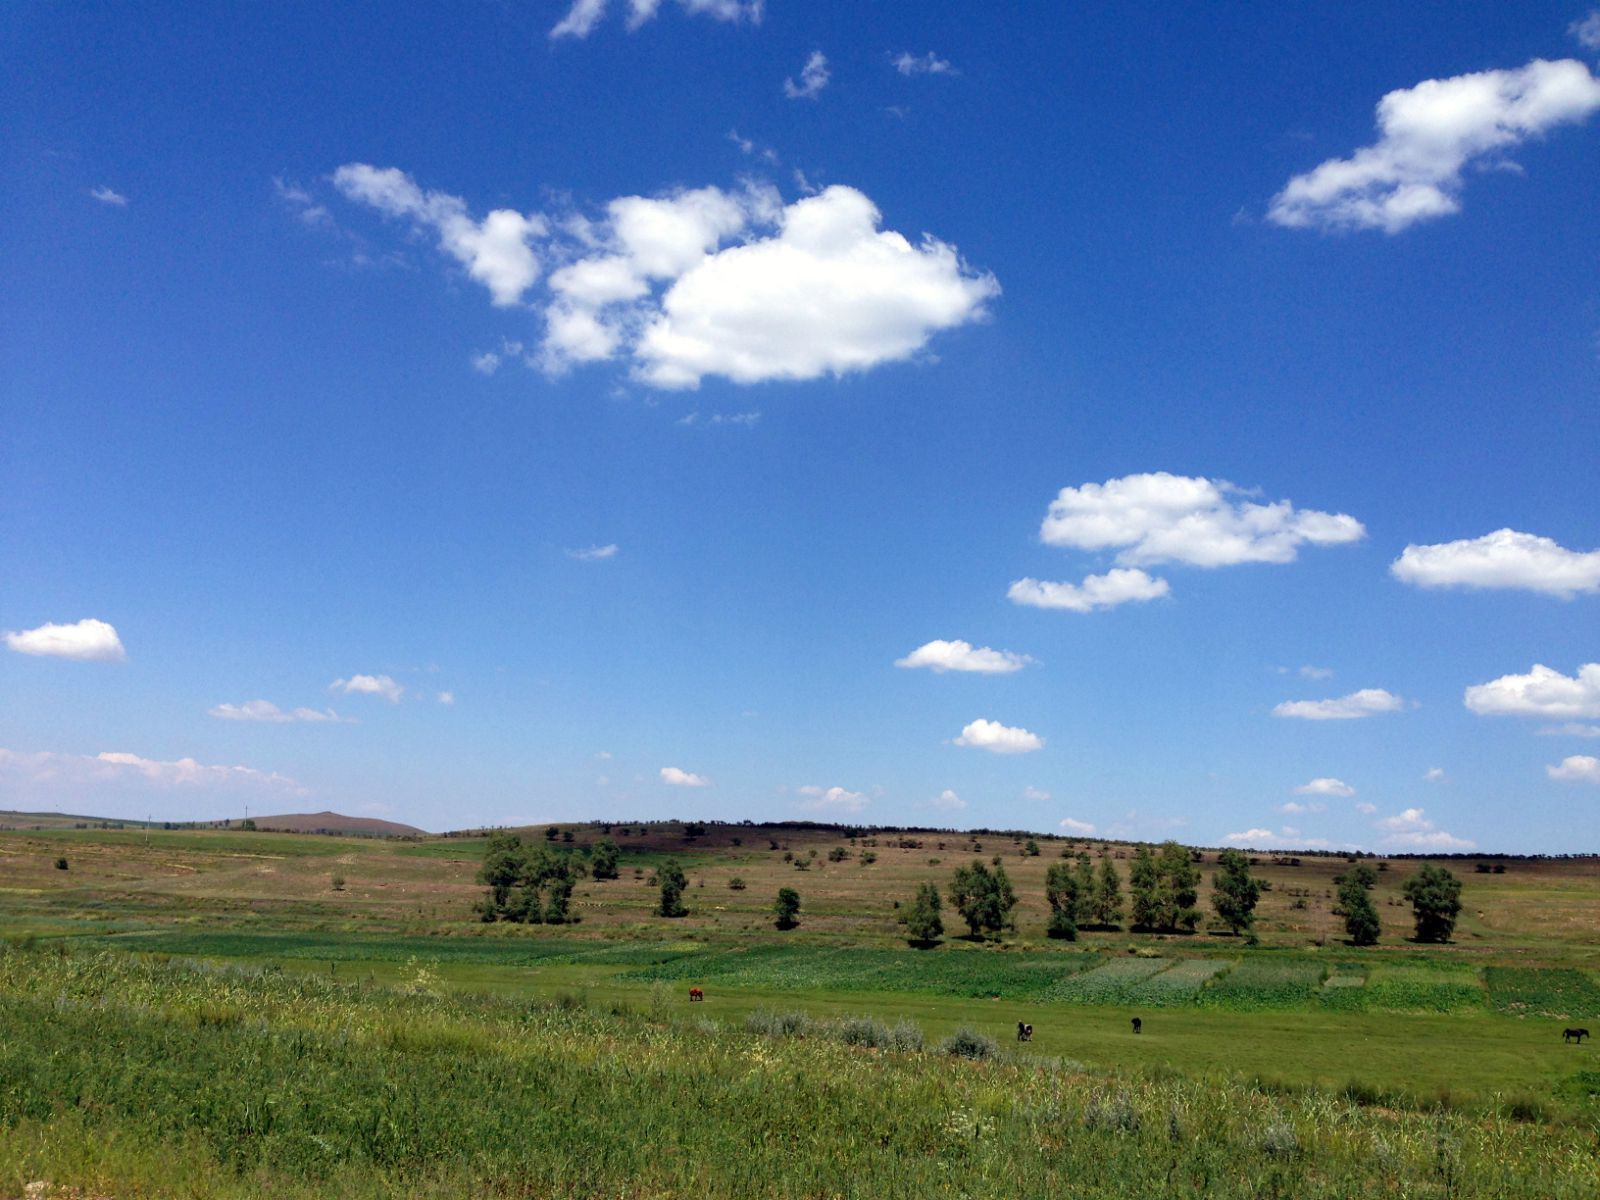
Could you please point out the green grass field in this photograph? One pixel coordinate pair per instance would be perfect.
(1389, 1038)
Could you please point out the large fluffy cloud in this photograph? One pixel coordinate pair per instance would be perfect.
(1120, 585)
(1542, 692)
(86, 641)
(940, 656)
(1365, 703)
(1156, 518)
(1576, 768)
(999, 739)
(1428, 135)
(1502, 559)
(705, 281)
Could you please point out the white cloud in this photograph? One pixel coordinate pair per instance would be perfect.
(1576, 768)
(1572, 729)
(495, 251)
(1412, 829)
(1309, 672)
(585, 15)
(305, 206)
(1035, 794)
(1295, 808)
(486, 363)
(106, 196)
(999, 739)
(1502, 559)
(1434, 775)
(1120, 585)
(706, 282)
(949, 801)
(745, 419)
(837, 799)
(679, 778)
(941, 656)
(930, 63)
(48, 772)
(1366, 809)
(1251, 837)
(813, 78)
(1072, 825)
(1427, 135)
(1365, 703)
(265, 710)
(1587, 30)
(446, 698)
(1542, 692)
(1158, 517)
(1325, 786)
(369, 685)
(594, 553)
(85, 641)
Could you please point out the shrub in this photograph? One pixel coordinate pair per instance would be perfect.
(1279, 1140)
(968, 1043)
(769, 1023)
(868, 857)
(736, 884)
(61, 864)
(787, 908)
(338, 883)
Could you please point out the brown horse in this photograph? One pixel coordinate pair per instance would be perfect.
(696, 994)
(1574, 1035)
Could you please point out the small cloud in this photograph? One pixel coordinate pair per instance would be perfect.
(752, 149)
(1325, 786)
(486, 363)
(949, 801)
(1576, 768)
(1256, 838)
(746, 420)
(813, 78)
(941, 656)
(106, 196)
(1412, 829)
(1316, 672)
(1503, 559)
(1073, 825)
(446, 698)
(369, 685)
(594, 553)
(999, 739)
(602, 755)
(1294, 807)
(930, 63)
(679, 778)
(1365, 703)
(1587, 30)
(1542, 692)
(303, 204)
(83, 641)
(1571, 729)
(265, 710)
(1038, 795)
(1434, 775)
(1366, 809)
(1120, 585)
(836, 799)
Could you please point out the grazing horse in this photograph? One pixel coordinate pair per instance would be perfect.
(696, 994)
(1574, 1035)
(1137, 1025)
(1024, 1032)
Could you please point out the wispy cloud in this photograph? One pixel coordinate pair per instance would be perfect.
(1367, 702)
(594, 553)
(268, 712)
(930, 63)
(106, 196)
(813, 78)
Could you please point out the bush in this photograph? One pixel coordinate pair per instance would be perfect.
(778, 1024)
(787, 908)
(61, 864)
(967, 1043)
(338, 883)
(1279, 1140)
(1111, 1112)
(736, 884)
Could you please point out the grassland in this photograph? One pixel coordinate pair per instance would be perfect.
(1468, 1032)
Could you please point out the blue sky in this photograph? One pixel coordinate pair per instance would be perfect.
(518, 411)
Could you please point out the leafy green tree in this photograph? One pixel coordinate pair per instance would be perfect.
(603, 859)
(1064, 892)
(984, 898)
(923, 923)
(1234, 893)
(672, 880)
(1144, 882)
(1108, 895)
(1180, 888)
(501, 869)
(1355, 905)
(787, 908)
(1031, 850)
(545, 879)
(1435, 896)
(1085, 878)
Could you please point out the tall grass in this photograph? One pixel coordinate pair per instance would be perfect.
(121, 1076)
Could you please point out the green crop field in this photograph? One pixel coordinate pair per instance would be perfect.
(235, 1013)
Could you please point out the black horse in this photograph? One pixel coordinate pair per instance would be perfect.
(1024, 1032)
(1574, 1035)
(1137, 1025)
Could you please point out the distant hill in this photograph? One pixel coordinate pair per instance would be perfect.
(51, 820)
(332, 822)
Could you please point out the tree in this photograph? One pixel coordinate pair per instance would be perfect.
(1031, 850)
(1356, 907)
(1085, 878)
(1180, 890)
(502, 866)
(983, 897)
(787, 908)
(672, 880)
(1062, 890)
(603, 859)
(1234, 893)
(1435, 896)
(1144, 882)
(923, 923)
(1108, 895)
